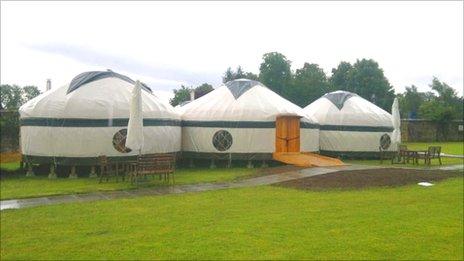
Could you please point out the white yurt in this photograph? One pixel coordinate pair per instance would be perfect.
(76, 123)
(238, 120)
(351, 126)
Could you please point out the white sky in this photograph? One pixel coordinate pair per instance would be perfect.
(167, 44)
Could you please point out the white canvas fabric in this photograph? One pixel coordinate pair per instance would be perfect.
(356, 126)
(396, 121)
(83, 122)
(134, 138)
(246, 113)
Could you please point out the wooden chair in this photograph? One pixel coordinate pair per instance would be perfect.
(433, 152)
(162, 165)
(109, 169)
(401, 155)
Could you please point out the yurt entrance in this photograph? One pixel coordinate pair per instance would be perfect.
(287, 134)
(288, 146)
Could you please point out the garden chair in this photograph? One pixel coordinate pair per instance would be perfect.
(109, 169)
(433, 152)
(401, 155)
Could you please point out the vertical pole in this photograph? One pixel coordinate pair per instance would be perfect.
(52, 173)
(212, 166)
(73, 174)
(30, 171)
(250, 164)
(93, 172)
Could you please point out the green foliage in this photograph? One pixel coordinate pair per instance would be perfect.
(30, 92)
(340, 78)
(230, 75)
(445, 107)
(183, 94)
(10, 97)
(180, 95)
(13, 96)
(275, 73)
(309, 84)
(269, 223)
(366, 79)
(202, 90)
(410, 101)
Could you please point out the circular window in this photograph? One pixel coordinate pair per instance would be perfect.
(119, 141)
(385, 141)
(222, 140)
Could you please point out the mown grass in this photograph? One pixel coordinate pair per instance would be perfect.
(19, 186)
(409, 222)
(454, 148)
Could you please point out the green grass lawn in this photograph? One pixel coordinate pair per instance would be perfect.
(19, 186)
(410, 222)
(455, 148)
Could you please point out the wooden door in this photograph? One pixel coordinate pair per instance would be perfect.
(287, 134)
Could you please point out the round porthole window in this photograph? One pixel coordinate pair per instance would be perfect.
(222, 140)
(119, 141)
(385, 141)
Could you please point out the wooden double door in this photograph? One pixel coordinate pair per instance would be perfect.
(287, 134)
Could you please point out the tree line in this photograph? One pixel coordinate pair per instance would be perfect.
(364, 77)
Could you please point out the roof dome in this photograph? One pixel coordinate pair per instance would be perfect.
(241, 100)
(346, 108)
(95, 95)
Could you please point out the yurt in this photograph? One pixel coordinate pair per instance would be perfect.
(87, 118)
(351, 126)
(243, 119)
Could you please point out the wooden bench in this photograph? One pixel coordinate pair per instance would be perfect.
(162, 165)
(433, 152)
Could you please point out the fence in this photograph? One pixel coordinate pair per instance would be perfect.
(426, 131)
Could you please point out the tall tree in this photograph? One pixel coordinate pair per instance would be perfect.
(341, 76)
(275, 71)
(366, 79)
(30, 92)
(11, 97)
(410, 101)
(231, 75)
(443, 108)
(309, 83)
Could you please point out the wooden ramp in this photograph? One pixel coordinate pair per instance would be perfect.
(306, 159)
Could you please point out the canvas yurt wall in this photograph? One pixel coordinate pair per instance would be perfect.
(76, 123)
(351, 126)
(238, 121)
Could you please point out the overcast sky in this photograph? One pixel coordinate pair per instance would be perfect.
(168, 44)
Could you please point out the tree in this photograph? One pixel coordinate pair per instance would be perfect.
(309, 83)
(11, 97)
(180, 95)
(183, 94)
(366, 79)
(230, 75)
(341, 76)
(410, 101)
(30, 92)
(442, 109)
(203, 89)
(275, 72)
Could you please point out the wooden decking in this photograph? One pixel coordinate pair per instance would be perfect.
(306, 159)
